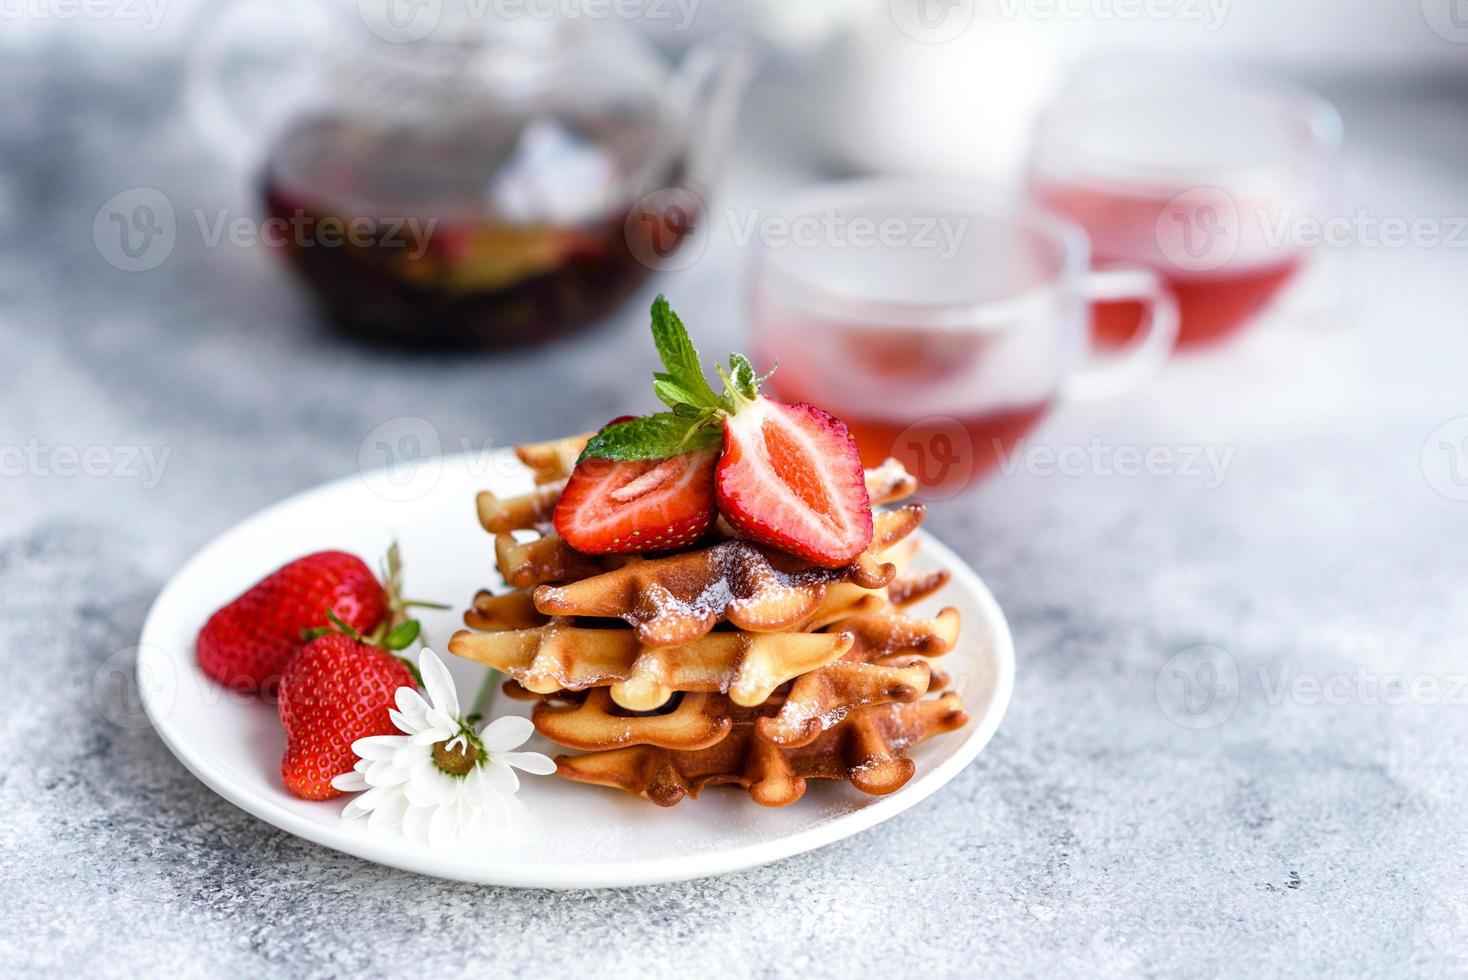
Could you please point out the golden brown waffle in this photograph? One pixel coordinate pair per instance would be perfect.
(813, 703)
(890, 633)
(530, 510)
(821, 699)
(910, 589)
(553, 460)
(882, 670)
(868, 749)
(525, 564)
(497, 613)
(594, 721)
(880, 667)
(674, 600)
(746, 666)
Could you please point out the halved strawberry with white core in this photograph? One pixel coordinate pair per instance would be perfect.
(791, 477)
(611, 507)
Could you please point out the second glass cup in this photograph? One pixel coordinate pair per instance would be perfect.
(940, 320)
(1195, 173)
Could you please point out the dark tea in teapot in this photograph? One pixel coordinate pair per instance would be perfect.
(497, 230)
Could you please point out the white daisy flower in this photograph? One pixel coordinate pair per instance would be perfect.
(440, 780)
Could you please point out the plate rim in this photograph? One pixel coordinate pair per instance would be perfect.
(420, 859)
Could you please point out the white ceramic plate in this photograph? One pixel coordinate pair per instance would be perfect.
(580, 836)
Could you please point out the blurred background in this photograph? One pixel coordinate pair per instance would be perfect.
(1162, 298)
(467, 200)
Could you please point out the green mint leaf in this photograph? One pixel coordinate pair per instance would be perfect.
(402, 635)
(673, 395)
(654, 437)
(679, 355)
(742, 373)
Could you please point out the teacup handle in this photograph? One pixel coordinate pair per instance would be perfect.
(1146, 353)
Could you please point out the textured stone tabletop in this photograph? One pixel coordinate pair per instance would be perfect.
(1309, 820)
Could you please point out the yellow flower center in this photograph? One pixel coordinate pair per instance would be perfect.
(456, 759)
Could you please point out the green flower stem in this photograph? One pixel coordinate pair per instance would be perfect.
(485, 695)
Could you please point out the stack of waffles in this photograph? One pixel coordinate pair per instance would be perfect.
(731, 663)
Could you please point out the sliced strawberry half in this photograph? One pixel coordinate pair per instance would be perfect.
(611, 507)
(791, 477)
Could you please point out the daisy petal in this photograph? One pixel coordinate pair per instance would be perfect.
(438, 683)
(477, 789)
(442, 722)
(432, 786)
(411, 704)
(350, 782)
(387, 816)
(500, 777)
(441, 825)
(375, 747)
(508, 733)
(386, 774)
(415, 822)
(515, 815)
(531, 762)
(373, 798)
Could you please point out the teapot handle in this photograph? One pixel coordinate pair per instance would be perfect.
(708, 88)
(255, 39)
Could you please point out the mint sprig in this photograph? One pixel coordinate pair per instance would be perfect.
(695, 418)
(684, 381)
(657, 436)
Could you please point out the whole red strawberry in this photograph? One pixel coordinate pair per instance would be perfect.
(336, 690)
(247, 644)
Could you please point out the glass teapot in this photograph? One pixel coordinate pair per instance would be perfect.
(452, 173)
